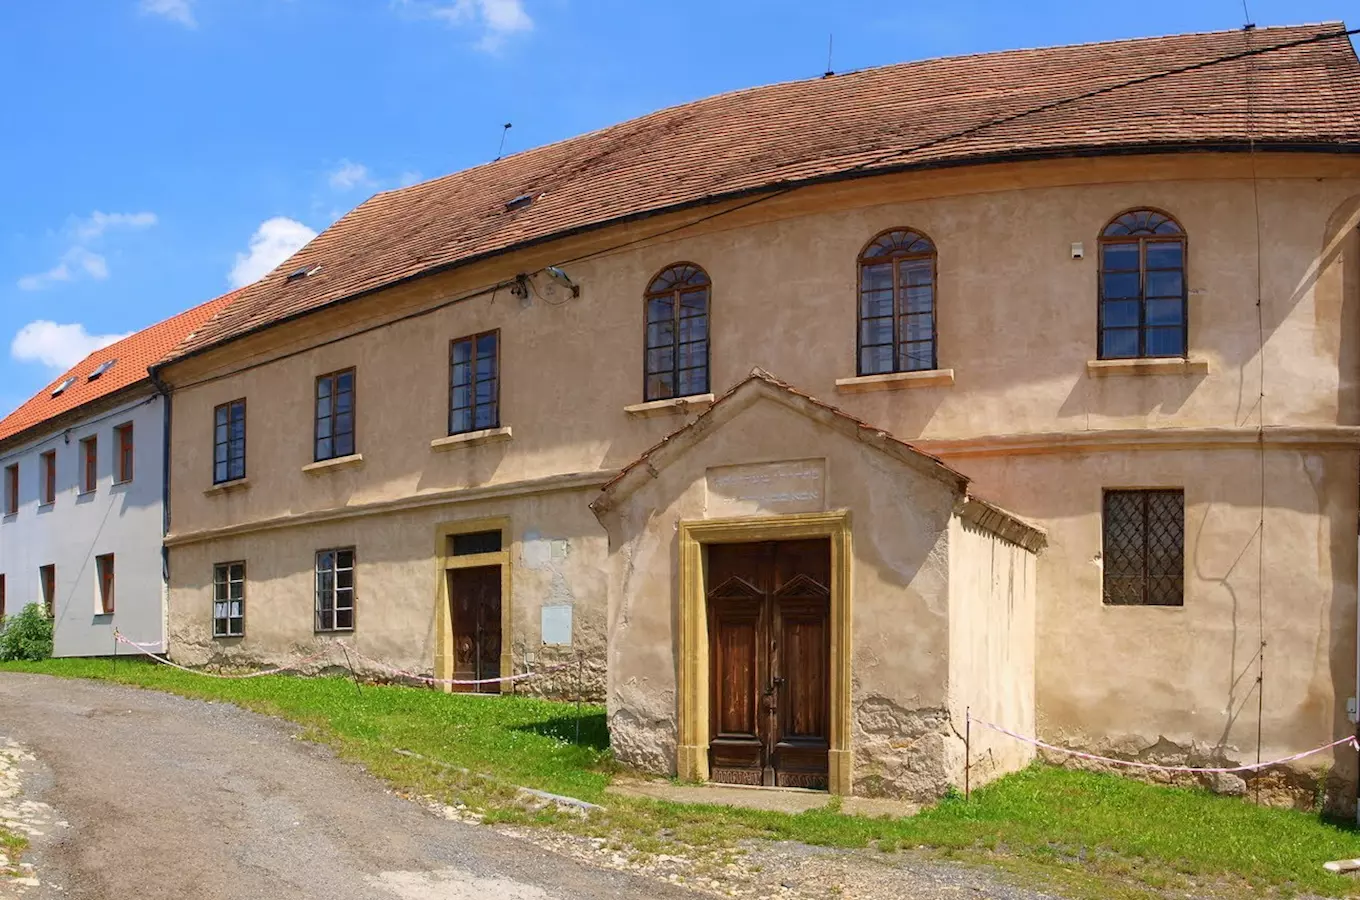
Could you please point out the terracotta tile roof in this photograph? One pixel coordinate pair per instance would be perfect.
(134, 354)
(1151, 94)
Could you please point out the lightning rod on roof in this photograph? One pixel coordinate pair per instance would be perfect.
(830, 41)
(505, 129)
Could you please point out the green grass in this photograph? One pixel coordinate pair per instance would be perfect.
(12, 847)
(1090, 835)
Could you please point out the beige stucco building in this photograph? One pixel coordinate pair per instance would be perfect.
(800, 442)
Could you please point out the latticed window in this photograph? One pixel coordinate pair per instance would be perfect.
(1144, 551)
(1142, 287)
(474, 379)
(229, 442)
(677, 333)
(897, 304)
(229, 599)
(335, 590)
(335, 415)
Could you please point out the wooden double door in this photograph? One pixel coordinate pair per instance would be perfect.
(475, 613)
(769, 644)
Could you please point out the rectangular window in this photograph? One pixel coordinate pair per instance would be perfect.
(12, 490)
(47, 580)
(122, 469)
(335, 590)
(229, 599)
(474, 383)
(229, 442)
(2, 598)
(89, 464)
(103, 567)
(475, 542)
(47, 489)
(1144, 548)
(335, 415)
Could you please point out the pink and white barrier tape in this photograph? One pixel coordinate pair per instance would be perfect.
(1253, 767)
(426, 679)
(141, 648)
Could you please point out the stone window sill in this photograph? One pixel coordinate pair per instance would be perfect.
(1101, 368)
(896, 381)
(672, 407)
(223, 487)
(471, 438)
(330, 465)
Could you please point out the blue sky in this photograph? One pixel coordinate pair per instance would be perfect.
(155, 152)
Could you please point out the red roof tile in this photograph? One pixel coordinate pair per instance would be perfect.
(1161, 94)
(134, 354)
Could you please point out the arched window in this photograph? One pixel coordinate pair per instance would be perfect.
(897, 303)
(1142, 286)
(677, 333)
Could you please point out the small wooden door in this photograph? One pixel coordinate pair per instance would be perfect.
(475, 611)
(769, 656)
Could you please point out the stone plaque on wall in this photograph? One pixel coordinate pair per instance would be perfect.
(767, 488)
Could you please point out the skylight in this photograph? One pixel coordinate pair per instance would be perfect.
(61, 388)
(304, 272)
(519, 202)
(101, 369)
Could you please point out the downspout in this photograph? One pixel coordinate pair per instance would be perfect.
(166, 420)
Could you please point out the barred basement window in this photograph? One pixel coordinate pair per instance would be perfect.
(229, 599)
(335, 590)
(1144, 549)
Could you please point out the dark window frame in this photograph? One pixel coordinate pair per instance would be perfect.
(125, 445)
(224, 456)
(222, 600)
(474, 408)
(1149, 526)
(673, 283)
(11, 489)
(105, 582)
(2, 596)
(321, 610)
(89, 464)
(47, 477)
(900, 250)
(47, 584)
(1140, 227)
(331, 379)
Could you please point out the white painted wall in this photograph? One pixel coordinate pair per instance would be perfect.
(124, 519)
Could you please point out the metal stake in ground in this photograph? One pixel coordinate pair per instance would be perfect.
(351, 670)
(580, 677)
(967, 752)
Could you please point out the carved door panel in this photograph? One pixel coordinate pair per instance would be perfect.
(769, 651)
(475, 612)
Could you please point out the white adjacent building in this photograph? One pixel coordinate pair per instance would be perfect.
(82, 496)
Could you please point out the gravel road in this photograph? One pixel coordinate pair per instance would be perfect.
(132, 793)
(163, 797)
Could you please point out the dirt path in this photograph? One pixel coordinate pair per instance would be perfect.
(132, 793)
(170, 798)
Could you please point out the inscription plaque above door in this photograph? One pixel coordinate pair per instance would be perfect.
(752, 489)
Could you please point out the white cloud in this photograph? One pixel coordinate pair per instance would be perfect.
(57, 346)
(79, 260)
(274, 241)
(100, 222)
(75, 261)
(498, 19)
(350, 175)
(180, 11)
(409, 178)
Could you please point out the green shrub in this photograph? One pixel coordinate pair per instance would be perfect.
(27, 636)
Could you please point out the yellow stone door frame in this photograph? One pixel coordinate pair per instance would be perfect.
(445, 562)
(692, 754)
